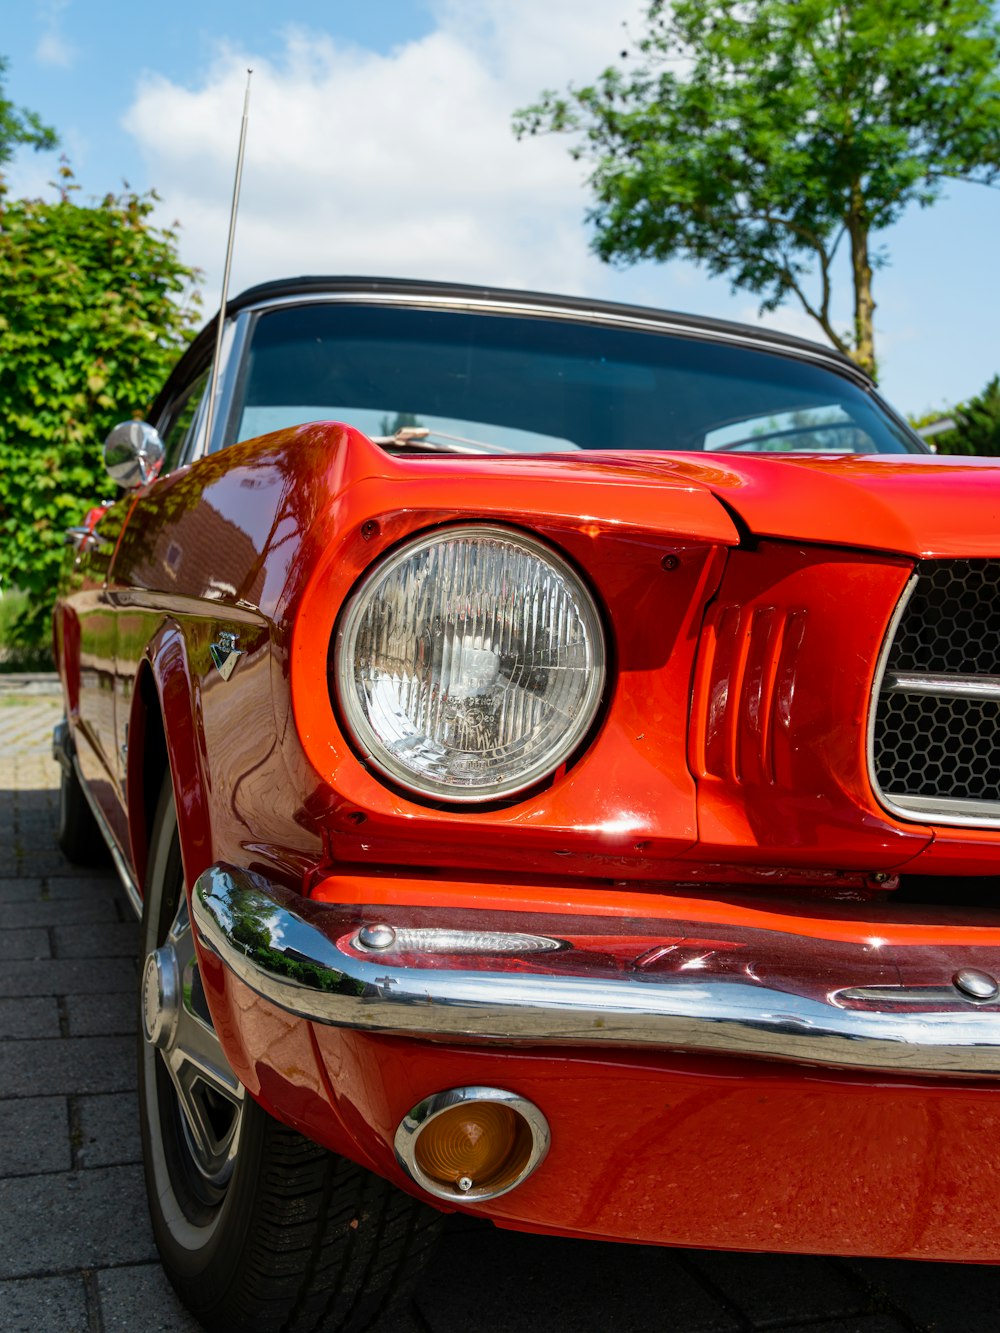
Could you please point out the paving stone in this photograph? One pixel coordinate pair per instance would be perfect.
(60, 912)
(40, 889)
(769, 1288)
(948, 1298)
(66, 1065)
(24, 944)
(44, 1305)
(103, 1015)
(37, 831)
(19, 890)
(501, 1281)
(142, 1287)
(35, 1016)
(67, 976)
(83, 1219)
(119, 939)
(96, 883)
(875, 1323)
(34, 1132)
(109, 1129)
(38, 862)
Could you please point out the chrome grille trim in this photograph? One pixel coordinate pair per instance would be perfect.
(881, 670)
(952, 687)
(942, 687)
(947, 810)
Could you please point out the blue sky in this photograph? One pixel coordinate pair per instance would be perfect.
(379, 143)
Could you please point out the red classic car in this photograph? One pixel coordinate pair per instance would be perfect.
(566, 792)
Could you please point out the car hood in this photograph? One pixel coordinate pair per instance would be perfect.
(912, 504)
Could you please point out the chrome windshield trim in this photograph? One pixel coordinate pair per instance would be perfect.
(945, 687)
(262, 934)
(492, 305)
(234, 339)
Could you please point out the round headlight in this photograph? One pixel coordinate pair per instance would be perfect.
(469, 664)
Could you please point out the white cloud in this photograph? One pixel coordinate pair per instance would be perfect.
(401, 164)
(53, 48)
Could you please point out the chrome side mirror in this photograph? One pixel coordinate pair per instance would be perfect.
(133, 453)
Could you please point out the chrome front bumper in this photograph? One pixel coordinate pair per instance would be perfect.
(762, 993)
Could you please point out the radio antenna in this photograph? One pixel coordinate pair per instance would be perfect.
(213, 388)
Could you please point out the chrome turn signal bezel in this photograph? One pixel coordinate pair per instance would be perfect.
(413, 1125)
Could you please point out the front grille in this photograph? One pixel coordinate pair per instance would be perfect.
(935, 750)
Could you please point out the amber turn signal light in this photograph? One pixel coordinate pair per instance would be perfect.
(472, 1143)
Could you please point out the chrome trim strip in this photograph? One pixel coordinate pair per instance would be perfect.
(945, 687)
(948, 809)
(432, 939)
(944, 997)
(236, 333)
(119, 862)
(261, 933)
(880, 672)
(541, 310)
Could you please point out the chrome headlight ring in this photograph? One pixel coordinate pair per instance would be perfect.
(469, 664)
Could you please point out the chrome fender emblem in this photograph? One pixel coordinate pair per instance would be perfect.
(225, 654)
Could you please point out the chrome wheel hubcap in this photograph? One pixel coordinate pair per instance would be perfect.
(159, 997)
(177, 1024)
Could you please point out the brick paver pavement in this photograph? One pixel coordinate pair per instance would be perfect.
(76, 1251)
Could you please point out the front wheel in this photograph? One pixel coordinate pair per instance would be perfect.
(258, 1228)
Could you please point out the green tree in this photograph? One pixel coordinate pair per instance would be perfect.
(20, 127)
(759, 138)
(977, 425)
(95, 305)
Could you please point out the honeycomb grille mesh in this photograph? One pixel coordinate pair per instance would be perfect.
(939, 747)
(952, 622)
(945, 747)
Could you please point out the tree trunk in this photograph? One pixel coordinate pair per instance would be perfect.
(863, 351)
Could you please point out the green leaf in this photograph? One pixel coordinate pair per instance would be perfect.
(89, 330)
(765, 139)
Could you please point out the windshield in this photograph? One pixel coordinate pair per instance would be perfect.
(506, 384)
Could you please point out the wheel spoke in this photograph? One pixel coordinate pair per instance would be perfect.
(196, 1048)
(209, 1095)
(202, 1139)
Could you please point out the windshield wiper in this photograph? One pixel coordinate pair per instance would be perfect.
(422, 439)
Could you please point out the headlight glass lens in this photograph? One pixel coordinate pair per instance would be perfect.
(470, 664)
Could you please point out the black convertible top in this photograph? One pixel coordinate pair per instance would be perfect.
(283, 289)
(287, 289)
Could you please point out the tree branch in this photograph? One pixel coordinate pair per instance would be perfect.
(966, 180)
(821, 315)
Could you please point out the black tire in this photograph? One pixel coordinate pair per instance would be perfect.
(295, 1238)
(77, 833)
